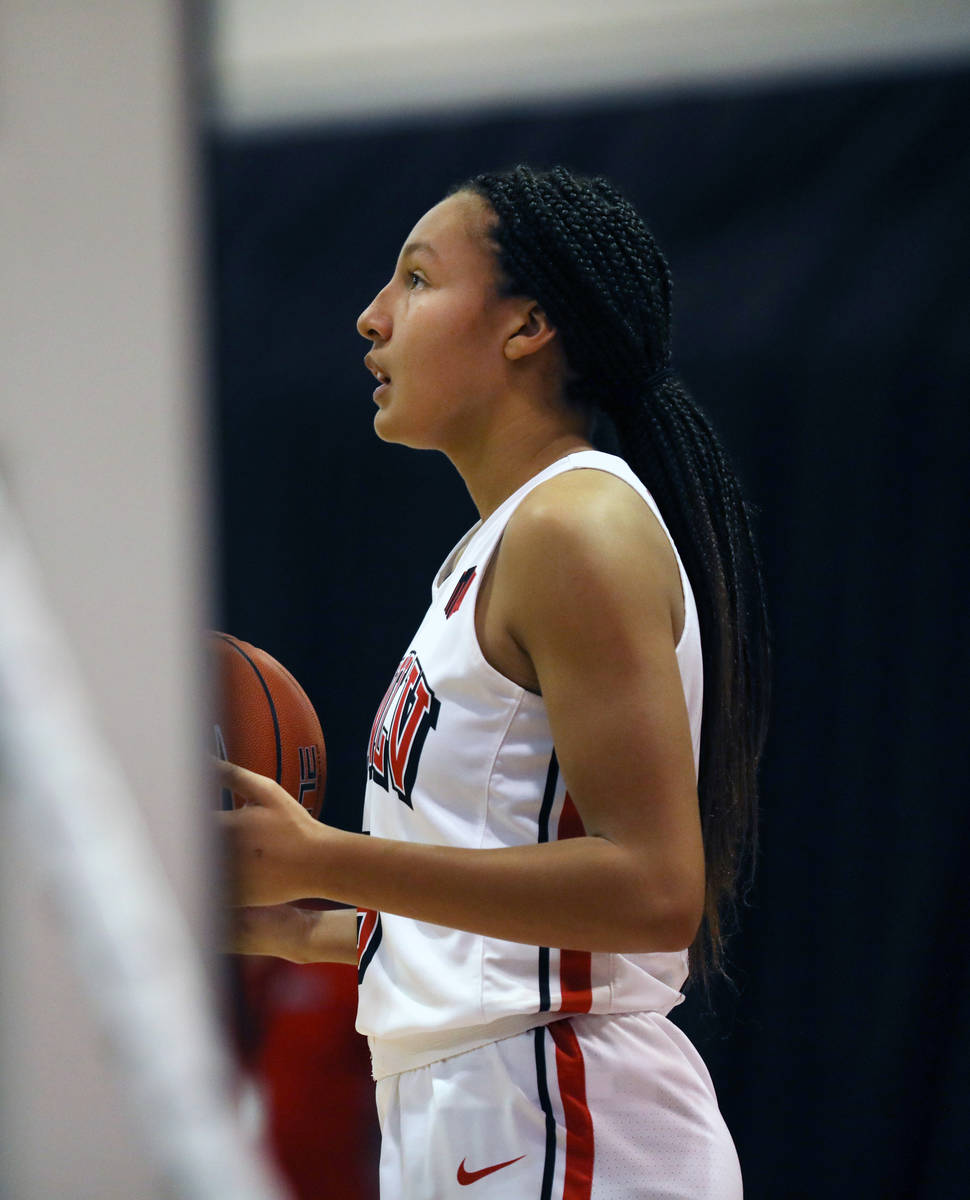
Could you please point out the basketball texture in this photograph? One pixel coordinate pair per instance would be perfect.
(264, 721)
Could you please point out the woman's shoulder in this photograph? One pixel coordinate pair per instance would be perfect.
(588, 512)
(588, 539)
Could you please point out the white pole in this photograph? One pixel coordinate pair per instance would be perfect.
(77, 831)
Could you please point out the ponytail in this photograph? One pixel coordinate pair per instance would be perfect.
(582, 251)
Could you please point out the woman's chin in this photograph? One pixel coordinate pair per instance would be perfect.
(384, 426)
(389, 430)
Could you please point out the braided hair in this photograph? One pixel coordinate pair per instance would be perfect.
(581, 251)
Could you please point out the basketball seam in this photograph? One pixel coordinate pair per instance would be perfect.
(269, 697)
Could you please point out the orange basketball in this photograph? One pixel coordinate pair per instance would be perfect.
(265, 721)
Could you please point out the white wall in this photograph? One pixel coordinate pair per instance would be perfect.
(325, 60)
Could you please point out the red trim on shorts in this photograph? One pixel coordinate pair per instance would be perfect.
(575, 966)
(580, 1148)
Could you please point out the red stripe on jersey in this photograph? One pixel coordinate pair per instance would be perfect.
(575, 966)
(575, 981)
(570, 822)
(580, 1145)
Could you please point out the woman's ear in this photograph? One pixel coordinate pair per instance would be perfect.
(533, 330)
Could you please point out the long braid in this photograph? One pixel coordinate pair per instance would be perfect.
(581, 250)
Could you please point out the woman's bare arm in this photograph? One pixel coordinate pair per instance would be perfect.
(301, 935)
(588, 590)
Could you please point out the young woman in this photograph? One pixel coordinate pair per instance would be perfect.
(561, 776)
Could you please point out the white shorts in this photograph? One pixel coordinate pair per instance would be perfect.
(616, 1107)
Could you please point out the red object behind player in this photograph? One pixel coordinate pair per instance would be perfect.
(313, 1069)
(265, 722)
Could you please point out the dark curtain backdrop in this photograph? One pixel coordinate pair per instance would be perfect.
(818, 238)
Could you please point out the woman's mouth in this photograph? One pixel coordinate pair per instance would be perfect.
(382, 377)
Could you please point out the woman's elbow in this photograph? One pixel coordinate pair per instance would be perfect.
(669, 917)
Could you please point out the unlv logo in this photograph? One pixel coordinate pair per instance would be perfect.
(407, 712)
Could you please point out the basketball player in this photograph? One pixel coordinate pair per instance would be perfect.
(561, 776)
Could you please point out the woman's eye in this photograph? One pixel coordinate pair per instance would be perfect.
(414, 279)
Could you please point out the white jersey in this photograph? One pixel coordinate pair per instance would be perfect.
(459, 755)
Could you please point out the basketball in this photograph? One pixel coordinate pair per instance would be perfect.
(264, 721)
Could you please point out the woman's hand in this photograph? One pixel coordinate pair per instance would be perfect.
(273, 844)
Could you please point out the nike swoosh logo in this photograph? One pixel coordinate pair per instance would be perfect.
(467, 1177)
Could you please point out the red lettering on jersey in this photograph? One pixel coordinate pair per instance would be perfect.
(366, 924)
(369, 932)
(397, 739)
(461, 587)
(413, 707)
(378, 736)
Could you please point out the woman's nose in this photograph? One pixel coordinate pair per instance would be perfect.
(374, 323)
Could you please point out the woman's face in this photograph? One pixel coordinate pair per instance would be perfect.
(438, 330)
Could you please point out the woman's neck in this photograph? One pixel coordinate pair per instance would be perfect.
(496, 467)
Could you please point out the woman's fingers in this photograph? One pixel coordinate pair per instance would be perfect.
(253, 788)
(267, 839)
